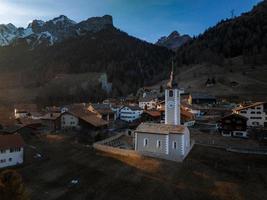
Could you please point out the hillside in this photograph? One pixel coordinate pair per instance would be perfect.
(244, 36)
(129, 63)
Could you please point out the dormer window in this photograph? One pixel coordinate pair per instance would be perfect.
(171, 93)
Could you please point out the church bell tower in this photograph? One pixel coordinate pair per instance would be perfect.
(172, 103)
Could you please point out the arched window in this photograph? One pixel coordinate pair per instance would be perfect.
(171, 93)
(174, 145)
(158, 144)
(145, 142)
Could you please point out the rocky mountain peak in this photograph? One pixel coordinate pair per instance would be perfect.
(173, 41)
(54, 30)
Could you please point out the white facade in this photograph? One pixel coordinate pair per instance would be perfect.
(21, 114)
(256, 114)
(129, 114)
(69, 121)
(11, 157)
(148, 104)
(172, 107)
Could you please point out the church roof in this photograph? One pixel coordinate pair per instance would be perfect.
(157, 128)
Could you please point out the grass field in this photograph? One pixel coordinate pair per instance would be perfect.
(206, 174)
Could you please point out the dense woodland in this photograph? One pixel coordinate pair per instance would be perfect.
(244, 36)
(129, 62)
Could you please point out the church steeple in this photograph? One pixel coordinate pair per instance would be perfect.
(172, 102)
(171, 83)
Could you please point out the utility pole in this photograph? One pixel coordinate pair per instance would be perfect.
(232, 13)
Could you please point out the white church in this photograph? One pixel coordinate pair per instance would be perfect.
(170, 140)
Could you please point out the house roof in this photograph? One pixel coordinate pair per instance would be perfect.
(198, 95)
(249, 106)
(50, 116)
(153, 113)
(186, 115)
(29, 121)
(148, 98)
(132, 107)
(11, 141)
(102, 108)
(235, 115)
(88, 117)
(26, 107)
(156, 128)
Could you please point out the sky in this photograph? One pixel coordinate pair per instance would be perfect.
(146, 19)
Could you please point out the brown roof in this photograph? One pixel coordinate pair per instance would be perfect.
(26, 107)
(153, 113)
(11, 141)
(235, 115)
(29, 121)
(88, 117)
(250, 106)
(156, 128)
(50, 116)
(100, 108)
(186, 115)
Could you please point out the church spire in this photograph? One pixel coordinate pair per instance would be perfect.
(170, 83)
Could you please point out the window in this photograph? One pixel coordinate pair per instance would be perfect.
(255, 118)
(252, 112)
(10, 159)
(174, 145)
(158, 144)
(258, 108)
(239, 134)
(255, 123)
(244, 112)
(145, 142)
(2, 151)
(171, 93)
(14, 150)
(258, 112)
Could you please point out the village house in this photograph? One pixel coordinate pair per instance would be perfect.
(11, 150)
(170, 140)
(81, 120)
(233, 125)
(25, 110)
(151, 116)
(130, 113)
(104, 111)
(148, 102)
(255, 113)
(201, 98)
(51, 121)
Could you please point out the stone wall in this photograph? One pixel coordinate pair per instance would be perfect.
(105, 147)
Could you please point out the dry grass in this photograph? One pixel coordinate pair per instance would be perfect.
(206, 174)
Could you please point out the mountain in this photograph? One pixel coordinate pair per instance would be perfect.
(173, 41)
(244, 36)
(94, 45)
(53, 31)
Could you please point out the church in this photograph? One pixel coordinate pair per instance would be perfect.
(170, 140)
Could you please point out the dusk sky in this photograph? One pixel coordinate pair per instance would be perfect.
(145, 19)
